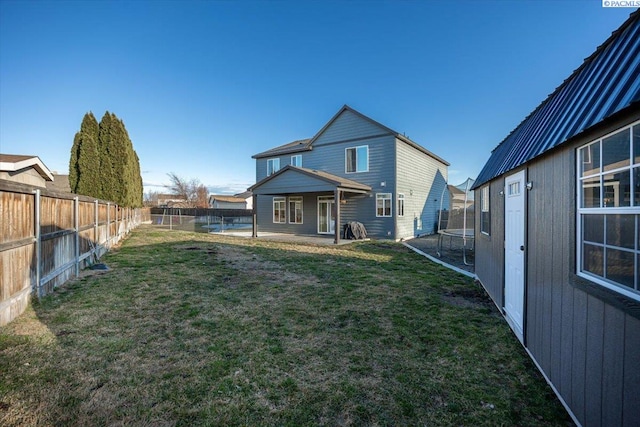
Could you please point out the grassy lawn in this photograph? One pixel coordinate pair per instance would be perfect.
(192, 329)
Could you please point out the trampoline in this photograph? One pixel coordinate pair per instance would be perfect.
(458, 222)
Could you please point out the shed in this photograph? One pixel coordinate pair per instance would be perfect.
(558, 241)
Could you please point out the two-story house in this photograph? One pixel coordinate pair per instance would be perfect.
(353, 169)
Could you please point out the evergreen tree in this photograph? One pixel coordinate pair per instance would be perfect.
(103, 162)
(84, 165)
(108, 136)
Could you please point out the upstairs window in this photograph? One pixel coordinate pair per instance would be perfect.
(383, 204)
(273, 166)
(296, 160)
(608, 223)
(357, 159)
(485, 213)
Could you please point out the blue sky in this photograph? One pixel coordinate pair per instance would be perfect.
(203, 85)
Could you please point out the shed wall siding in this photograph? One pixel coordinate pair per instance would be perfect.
(489, 261)
(588, 349)
(426, 178)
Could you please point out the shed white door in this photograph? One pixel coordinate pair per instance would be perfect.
(514, 246)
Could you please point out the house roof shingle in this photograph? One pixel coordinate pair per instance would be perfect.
(606, 83)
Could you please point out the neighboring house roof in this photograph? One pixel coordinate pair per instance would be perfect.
(607, 82)
(244, 194)
(227, 199)
(15, 163)
(307, 144)
(60, 183)
(334, 180)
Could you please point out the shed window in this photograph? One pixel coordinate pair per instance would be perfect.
(295, 210)
(608, 223)
(357, 159)
(485, 213)
(279, 210)
(273, 166)
(400, 208)
(383, 204)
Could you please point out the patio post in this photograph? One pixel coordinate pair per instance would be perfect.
(255, 215)
(336, 196)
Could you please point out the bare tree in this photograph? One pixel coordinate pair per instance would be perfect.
(202, 196)
(193, 191)
(151, 198)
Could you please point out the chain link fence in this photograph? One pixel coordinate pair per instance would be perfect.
(202, 220)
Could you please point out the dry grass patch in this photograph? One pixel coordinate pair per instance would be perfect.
(196, 329)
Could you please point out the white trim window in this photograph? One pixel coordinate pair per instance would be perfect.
(356, 159)
(485, 213)
(279, 210)
(295, 210)
(608, 222)
(273, 166)
(383, 204)
(296, 160)
(400, 208)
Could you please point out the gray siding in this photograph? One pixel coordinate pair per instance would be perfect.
(587, 346)
(348, 212)
(348, 126)
(294, 182)
(309, 215)
(421, 179)
(261, 164)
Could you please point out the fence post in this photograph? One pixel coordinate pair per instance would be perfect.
(38, 242)
(76, 214)
(117, 236)
(106, 241)
(95, 229)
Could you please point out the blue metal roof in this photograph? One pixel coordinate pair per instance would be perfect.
(607, 82)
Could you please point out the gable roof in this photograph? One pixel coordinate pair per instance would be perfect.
(16, 162)
(334, 180)
(307, 144)
(607, 82)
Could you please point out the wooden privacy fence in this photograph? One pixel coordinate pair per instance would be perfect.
(47, 237)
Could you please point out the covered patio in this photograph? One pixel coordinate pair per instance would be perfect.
(332, 191)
